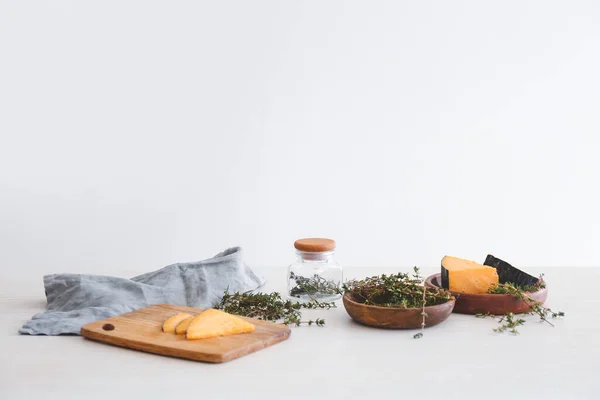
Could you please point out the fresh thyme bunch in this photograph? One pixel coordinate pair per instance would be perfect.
(509, 322)
(396, 290)
(270, 307)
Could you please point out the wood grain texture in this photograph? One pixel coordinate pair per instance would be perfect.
(497, 304)
(315, 244)
(142, 330)
(396, 318)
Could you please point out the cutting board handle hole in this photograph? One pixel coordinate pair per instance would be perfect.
(108, 327)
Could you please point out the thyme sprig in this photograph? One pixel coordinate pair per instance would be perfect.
(508, 322)
(270, 307)
(423, 314)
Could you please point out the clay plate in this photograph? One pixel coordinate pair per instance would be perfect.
(396, 318)
(496, 304)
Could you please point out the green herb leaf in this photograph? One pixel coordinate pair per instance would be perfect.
(270, 307)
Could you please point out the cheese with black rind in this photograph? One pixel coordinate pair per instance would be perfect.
(465, 276)
(508, 273)
(445, 278)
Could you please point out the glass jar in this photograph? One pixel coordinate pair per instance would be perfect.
(315, 275)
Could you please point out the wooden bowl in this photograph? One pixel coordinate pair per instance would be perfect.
(497, 304)
(396, 318)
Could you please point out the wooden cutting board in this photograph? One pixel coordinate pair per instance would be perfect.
(142, 330)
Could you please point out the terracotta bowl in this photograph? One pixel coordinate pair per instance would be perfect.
(496, 304)
(396, 318)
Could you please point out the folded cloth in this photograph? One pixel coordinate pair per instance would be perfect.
(75, 300)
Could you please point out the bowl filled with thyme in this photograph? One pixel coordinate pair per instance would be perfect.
(396, 301)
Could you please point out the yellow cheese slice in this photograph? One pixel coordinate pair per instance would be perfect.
(466, 276)
(181, 327)
(170, 324)
(213, 323)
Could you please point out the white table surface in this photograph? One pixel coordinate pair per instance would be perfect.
(461, 358)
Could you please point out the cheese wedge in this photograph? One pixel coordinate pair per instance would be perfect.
(170, 324)
(213, 323)
(466, 276)
(181, 327)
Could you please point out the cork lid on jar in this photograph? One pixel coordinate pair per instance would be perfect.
(314, 245)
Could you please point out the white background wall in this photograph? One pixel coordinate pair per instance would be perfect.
(135, 134)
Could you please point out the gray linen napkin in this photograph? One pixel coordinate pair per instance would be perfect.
(75, 300)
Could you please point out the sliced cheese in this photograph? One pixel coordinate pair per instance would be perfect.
(466, 276)
(213, 323)
(170, 324)
(181, 327)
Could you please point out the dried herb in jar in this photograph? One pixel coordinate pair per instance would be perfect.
(316, 285)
